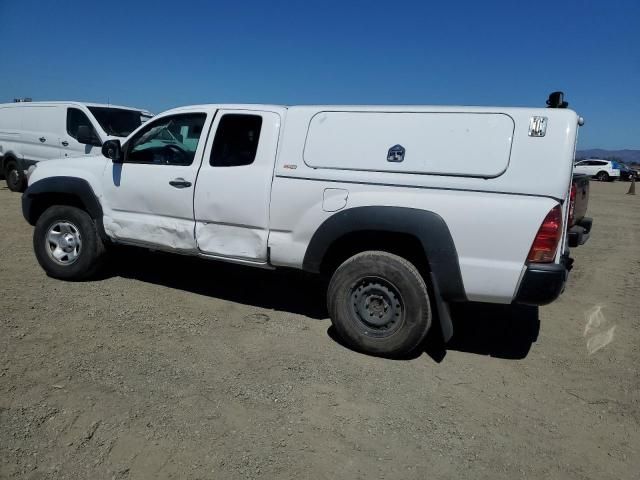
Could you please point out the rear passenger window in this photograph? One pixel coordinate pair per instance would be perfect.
(236, 140)
(76, 118)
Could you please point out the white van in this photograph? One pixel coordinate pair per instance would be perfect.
(31, 132)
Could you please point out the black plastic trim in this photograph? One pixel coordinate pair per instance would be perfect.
(22, 163)
(586, 223)
(428, 227)
(73, 186)
(444, 313)
(579, 233)
(542, 283)
(25, 163)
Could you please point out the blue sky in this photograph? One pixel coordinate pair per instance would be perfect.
(163, 54)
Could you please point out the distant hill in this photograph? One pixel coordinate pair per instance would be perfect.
(625, 156)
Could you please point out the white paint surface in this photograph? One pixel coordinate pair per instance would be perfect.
(471, 144)
(277, 203)
(232, 203)
(144, 207)
(334, 199)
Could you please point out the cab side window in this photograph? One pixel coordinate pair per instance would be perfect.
(75, 119)
(168, 141)
(236, 140)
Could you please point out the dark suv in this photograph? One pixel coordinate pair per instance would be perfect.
(627, 173)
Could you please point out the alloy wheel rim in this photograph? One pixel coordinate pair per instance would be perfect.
(63, 242)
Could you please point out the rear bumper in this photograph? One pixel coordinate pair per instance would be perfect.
(542, 283)
(579, 233)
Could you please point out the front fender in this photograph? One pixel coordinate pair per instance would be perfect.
(59, 187)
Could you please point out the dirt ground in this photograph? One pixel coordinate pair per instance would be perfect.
(174, 368)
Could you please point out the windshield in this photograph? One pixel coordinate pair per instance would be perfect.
(117, 121)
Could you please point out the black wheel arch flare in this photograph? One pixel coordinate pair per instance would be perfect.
(77, 188)
(427, 226)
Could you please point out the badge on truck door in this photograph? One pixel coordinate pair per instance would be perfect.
(396, 154)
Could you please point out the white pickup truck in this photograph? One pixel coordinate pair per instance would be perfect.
(406, 209)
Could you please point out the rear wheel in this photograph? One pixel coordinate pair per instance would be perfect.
(603, 176)
(67, 244)
(15, 178)
(379, 304)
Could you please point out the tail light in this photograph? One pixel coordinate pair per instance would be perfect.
(546, 242)
(572, 203)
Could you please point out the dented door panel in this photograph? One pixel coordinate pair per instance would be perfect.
(232, 201)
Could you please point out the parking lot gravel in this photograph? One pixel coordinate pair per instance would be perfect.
(171, 367)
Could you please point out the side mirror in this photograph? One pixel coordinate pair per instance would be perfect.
(112, 149)
(87, 136)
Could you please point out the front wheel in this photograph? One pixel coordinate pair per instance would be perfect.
(14, 176)
(379, 304)
(67, 244)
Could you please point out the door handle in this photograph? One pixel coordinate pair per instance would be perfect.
(42, 139)
(65, 143)
(179, 183)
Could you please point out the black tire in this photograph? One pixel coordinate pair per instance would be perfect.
(15, 178)
(86, 247)
(379, 304)
(603, 176)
